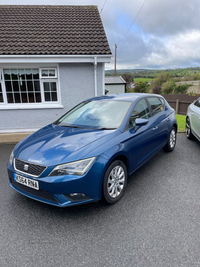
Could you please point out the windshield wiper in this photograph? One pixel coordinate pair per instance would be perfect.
(105, 128)
(70, 126)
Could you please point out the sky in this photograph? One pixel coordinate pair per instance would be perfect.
(149, 34)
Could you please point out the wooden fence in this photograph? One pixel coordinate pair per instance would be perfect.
(180, 102)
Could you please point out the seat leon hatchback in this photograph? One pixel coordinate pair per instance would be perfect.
(91, 150)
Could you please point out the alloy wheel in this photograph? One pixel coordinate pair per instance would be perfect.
(188, 128)
(116, 181)
(172, 138)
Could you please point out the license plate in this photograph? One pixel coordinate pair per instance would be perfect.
(26, 181)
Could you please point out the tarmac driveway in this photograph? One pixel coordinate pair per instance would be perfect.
(156, 223)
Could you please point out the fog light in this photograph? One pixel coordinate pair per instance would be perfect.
(77, 197)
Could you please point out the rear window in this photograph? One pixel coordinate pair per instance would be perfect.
(156, 104)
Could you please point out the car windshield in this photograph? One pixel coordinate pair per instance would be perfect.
(102, 114)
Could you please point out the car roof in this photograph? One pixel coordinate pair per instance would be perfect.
(129, 97)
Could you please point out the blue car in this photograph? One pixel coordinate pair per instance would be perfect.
(91, 150)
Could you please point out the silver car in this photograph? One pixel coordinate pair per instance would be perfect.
(193, 120)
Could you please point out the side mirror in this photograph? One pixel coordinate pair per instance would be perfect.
(141, 122)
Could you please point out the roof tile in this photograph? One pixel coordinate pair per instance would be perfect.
(66, 30)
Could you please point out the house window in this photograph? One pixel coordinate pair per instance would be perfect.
(28, 85)
(49, 84)
(50, 91)
(48, 73)
(22, 85)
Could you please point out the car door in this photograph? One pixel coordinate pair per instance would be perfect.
(139, 144)
(146, 140)
(159, 122)
(195, 117)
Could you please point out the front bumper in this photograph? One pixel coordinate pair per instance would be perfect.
(59, 190)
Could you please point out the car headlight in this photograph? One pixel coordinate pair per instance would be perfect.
(11, 157)
(79, 167)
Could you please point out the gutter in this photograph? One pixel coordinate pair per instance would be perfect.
(54, 58)
(95, 76)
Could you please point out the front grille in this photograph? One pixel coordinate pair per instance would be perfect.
(37, 193)
(29, 168)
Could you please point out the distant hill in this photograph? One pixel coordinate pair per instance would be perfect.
(129, 70)
(141, 72)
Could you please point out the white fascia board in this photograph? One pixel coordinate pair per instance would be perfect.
(54, 58)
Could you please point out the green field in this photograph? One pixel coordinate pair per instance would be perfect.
(137, 80)
(181, 122)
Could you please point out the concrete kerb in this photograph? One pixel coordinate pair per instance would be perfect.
(11, 138)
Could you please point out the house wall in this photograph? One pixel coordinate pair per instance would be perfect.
(115, 89)
(76, 83)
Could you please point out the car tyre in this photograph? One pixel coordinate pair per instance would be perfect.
(188, 131)
(114, 182)
(171, 142)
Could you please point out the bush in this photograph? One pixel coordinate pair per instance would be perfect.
(196, 76)
(156, 89)
(180, 89)
(141, 87)
(168, 87)
(162, 78)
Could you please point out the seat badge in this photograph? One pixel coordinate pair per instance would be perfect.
(26, 167)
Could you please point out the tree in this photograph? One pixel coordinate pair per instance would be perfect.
(127, 77)
(162, 78)
(168, 87)
(141, 87)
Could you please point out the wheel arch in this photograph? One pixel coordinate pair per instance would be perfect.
(175, 126)
(121, 157)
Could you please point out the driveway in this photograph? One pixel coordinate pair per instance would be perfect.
(156, 223)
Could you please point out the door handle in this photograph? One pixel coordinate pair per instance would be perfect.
(154, 128)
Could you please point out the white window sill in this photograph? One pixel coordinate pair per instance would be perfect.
(29, 106)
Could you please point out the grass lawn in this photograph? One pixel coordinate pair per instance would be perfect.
(181, 122)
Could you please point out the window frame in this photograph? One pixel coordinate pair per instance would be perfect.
(35, 105)
(151, 110)
(47, 77)
(3, 88)
(42, 89)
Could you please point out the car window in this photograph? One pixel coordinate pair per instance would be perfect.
(197, 103)
(156, 105)
(141, 110)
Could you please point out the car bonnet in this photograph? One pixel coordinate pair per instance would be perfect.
(53, 144)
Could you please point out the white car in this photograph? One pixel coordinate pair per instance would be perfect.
(193, 120)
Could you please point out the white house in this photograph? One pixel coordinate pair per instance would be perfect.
(51, 58)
